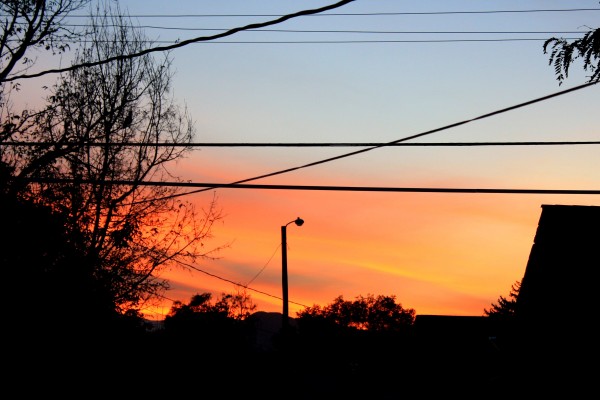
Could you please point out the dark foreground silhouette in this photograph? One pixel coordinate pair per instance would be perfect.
(440, 356)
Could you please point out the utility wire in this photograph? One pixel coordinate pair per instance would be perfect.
(344, 41)
(252, 26)
(379, 41)
(179, 28)
(264, 266)
(299, 144)
(211, 185)
(539, 99)
(246, 286)
(235, 283)
(344, 14)
(182, 43)
(359, 31)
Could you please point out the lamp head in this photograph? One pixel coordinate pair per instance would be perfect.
(299, 221)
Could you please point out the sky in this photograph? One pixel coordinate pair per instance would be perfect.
(446, 62)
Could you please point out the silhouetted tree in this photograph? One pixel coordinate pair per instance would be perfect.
(213, 327)
(239, 305)
(33, 25)
(504, 334)
(564, 53)
(200, 312)
(358, 325)
(30, 28)
(355, 342)
(370, 313)
(505, 307)
(91, 249)
(107, 120)
(59, 307)
(109, 123)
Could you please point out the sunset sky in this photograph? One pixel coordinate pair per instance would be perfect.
(299, 81)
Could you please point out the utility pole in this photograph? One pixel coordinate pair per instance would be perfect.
(284, 275)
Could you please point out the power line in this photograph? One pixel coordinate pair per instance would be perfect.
(233, 282)
(179, 28)
(236, 283)
(313, 187)
(354, 41)
(323, 161)
(377, 41)
(339, 41)
(230, 281)
(353, 31)
(236, 184)
(300, 144)
(343, 14)
(182, 43)
(248, 27)
(264, 266)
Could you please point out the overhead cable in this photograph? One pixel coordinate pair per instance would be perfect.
(182, 43)
(235, 283)
(323, 161)
(346, 14)
(212, 185)
(297, 144)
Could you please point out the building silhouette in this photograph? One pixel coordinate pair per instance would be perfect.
(555, 337)
(551, 344)
(559, 290)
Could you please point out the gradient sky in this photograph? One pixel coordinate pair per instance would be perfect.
(450, 254)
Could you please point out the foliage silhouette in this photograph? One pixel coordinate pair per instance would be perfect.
(127, 233)
(367, 313)
(211, 326)
(34, 25)
(355, 343)
(61, 308)
(564, 53)
(505, 307)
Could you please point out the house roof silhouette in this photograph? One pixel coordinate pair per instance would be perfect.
(560, 279)
(555, 334)
(546, 348)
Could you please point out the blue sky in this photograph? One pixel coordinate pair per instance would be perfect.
(437, 253)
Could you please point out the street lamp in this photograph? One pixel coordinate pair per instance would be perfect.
(284, 279)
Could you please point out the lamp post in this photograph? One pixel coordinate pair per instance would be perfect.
(284, 279)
